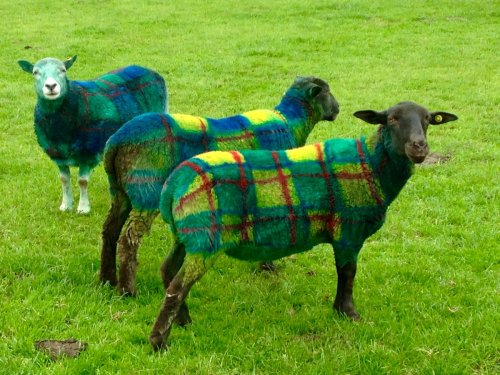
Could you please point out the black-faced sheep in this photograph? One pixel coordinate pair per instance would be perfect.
(263, 205)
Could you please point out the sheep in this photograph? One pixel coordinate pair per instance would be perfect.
(140, 156)
(263, 205)
(74, 119)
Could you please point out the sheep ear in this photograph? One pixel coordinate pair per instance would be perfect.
(438, 118)
(69, 61)
(314, 91)
(372, 117)
(26, 66)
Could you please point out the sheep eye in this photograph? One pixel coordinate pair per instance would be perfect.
(36, 72)
(392, 120)
(63, 70)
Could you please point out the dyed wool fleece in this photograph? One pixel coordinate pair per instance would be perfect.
(263, 205)
(141, 155)
(93, 110)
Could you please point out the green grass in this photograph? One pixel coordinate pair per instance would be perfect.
(428, 281)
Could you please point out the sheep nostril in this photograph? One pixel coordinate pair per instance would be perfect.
(51, 87)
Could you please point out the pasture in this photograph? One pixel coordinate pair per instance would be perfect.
(427, 286)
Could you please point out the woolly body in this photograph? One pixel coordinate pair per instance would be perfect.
(76, 132)
(139, 157)
(74, 119)
(263, 205)
(268, 204)
(152, 145)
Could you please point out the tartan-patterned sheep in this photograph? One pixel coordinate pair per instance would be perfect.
(140, 156)
(74, 119)
(263, 205)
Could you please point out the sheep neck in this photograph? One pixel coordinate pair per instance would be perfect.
(392, 170)
(300, 117)
(49, 107)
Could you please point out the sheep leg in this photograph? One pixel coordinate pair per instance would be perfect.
(192, 270)
(83, 182)
(139, 223)
(117, 215)
(344, 303)
(67, 200)
(169, 269)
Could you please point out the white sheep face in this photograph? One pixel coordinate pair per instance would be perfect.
(51, 82)
(50, 79)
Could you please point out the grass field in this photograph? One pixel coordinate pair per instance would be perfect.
(428, 281)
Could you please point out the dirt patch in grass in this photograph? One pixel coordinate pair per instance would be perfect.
(57, 348)
(436, 158)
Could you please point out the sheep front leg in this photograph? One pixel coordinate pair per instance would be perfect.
(169, 269)
(83, 182)
(344, 303)
(117, 215)
(67, 199)
(139, 223)
(192, 270)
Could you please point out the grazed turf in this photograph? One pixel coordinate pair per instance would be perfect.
(427, 286)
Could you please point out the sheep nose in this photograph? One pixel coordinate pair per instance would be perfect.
(51, 87)
(420, 145)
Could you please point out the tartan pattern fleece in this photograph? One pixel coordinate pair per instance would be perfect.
(93, 110)
(263, 205)
(157, 143)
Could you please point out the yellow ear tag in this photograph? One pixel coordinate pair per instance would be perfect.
(438, 118)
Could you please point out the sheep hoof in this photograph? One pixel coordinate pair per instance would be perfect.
(111, 280)
(83, 209)
(183, 318)
(267, 266)
(348, 312)
(65, 207)
(127, 292)
(157, 342)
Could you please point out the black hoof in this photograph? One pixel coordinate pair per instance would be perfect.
(157, 342)
(267, 266)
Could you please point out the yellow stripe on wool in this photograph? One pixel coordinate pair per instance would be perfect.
(306, 153)
(190, 123)
(214, 158)
(261, 116)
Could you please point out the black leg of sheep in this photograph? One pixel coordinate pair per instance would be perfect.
(344, 303)
(115, 220)
(169, 269)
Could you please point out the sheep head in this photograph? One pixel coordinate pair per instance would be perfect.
(316, 93)
(51, 82)
(404, 127)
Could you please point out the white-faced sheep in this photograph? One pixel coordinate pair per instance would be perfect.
(141, 155)
(74, 119)
(263, 205)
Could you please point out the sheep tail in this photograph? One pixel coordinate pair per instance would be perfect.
(109, 166)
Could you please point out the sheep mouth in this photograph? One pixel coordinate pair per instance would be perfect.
(51, 95)
(417, 159)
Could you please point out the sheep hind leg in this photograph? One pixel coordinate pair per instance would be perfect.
(344, 303)
(169, 269)
(138, 224)
(192, 270)
(117, 215)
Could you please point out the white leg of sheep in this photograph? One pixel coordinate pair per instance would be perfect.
(67, 200)
(83, 182)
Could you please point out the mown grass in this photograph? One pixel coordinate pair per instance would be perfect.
(427, 286)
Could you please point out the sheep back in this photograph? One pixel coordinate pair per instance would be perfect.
(157, 143)
(263, 205)
(93, 110)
